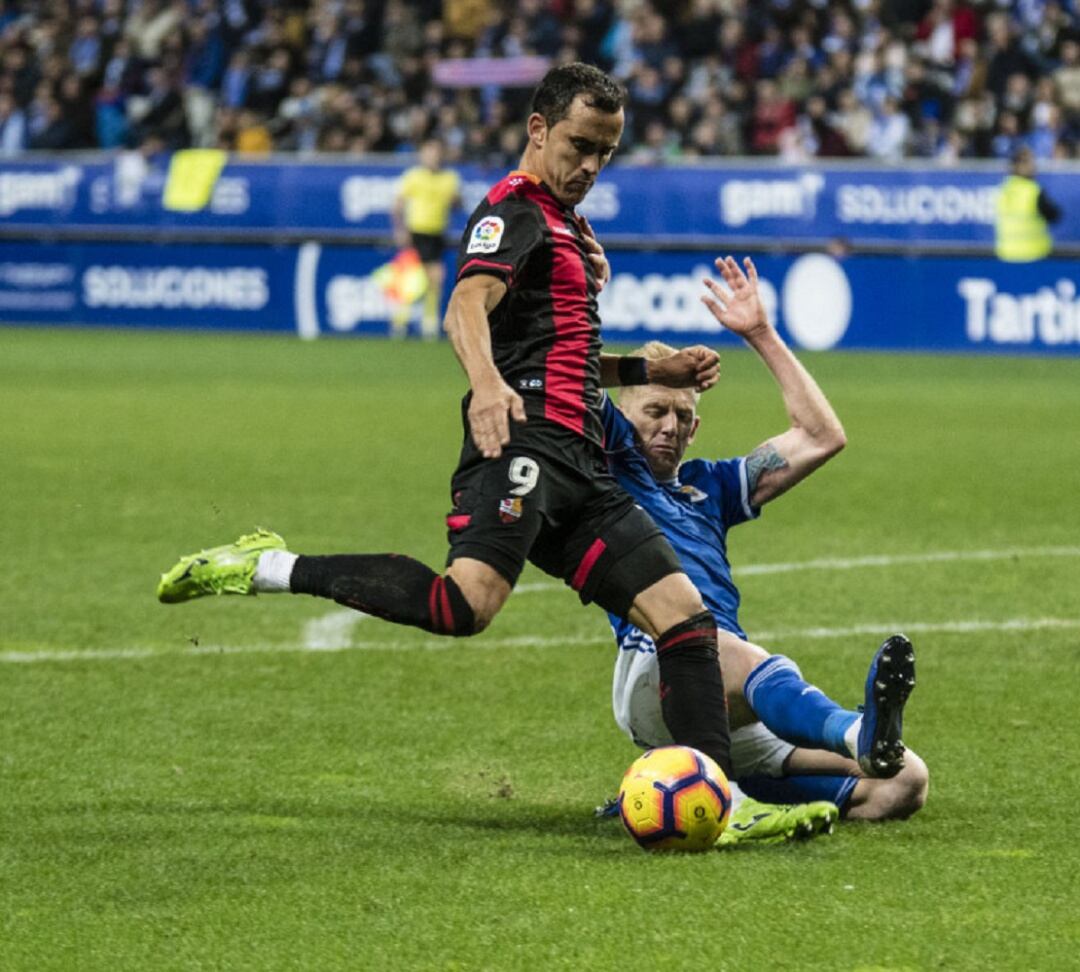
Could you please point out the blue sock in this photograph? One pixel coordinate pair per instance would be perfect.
(799, 789)
(795, 710)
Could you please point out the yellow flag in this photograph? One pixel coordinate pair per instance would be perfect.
(193, 173)
(403, 279)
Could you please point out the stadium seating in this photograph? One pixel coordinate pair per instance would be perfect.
(933, 79)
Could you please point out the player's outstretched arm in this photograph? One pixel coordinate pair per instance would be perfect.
(494, 403)
(815, 434)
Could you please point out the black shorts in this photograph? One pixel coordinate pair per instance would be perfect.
(550, 499)
(429, 246)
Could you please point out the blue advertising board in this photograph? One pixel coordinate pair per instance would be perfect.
(890, 207)
(155, 286)
(817, 301)
(867, 302)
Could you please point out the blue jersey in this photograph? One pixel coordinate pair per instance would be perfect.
(695, 511)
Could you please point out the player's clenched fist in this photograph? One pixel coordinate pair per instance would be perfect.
(706, 366)
(696, 367)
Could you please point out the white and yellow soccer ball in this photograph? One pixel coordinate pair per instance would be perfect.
(675, 798)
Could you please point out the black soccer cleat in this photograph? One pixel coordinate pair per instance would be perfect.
(888, 685)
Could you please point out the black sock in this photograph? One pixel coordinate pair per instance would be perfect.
(692, 688)
(388, 586)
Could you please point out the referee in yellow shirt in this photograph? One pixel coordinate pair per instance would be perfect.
(426, 196)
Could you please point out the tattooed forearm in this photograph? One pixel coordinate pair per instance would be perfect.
(763, 459)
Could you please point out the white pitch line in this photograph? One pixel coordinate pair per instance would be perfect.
(1019, 625)
(537, 586)
(892, 560)
(921, 627)
(332, 631)
(871, 560)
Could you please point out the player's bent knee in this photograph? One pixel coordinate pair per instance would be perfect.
(896, 798)
(483, 590)
(670, 601)
(738, 658)
(912, 786)
(684, 597)
(902, 798)
(452, 611)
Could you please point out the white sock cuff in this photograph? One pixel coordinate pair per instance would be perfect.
(851, 737)
(273, 571)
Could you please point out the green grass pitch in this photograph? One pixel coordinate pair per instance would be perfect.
(199, 787)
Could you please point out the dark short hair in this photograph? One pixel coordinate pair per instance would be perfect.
(561, 85)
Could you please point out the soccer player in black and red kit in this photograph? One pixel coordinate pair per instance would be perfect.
(532, 482)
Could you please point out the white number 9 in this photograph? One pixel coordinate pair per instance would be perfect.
(524, 473)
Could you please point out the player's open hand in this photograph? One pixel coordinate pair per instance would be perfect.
(490, 411)
(697, 367)
(596, 255)
(738, 306)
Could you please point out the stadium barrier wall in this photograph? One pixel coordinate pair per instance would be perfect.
(902, 209)
(818, 301)
(290, 246)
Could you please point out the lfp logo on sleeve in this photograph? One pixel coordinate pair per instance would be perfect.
(486, 235)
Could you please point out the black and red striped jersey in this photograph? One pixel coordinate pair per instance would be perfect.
(545, 333)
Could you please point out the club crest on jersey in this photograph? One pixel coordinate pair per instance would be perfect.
(486, 235)
(692, 493)
(510, 509)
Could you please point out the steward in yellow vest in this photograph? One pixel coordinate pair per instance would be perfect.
(1023, 212)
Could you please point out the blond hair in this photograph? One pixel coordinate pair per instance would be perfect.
(653, 351)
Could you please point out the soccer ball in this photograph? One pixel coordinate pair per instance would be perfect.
(675, 798)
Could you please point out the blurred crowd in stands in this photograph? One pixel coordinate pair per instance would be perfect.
(794, 79)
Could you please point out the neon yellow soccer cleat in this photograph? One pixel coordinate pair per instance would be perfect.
(770, 823)
(228, 569)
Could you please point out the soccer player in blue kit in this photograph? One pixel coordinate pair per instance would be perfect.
(805, 747)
